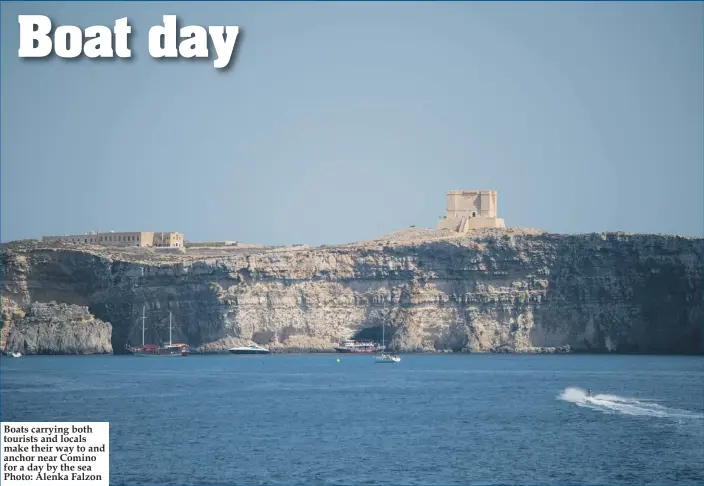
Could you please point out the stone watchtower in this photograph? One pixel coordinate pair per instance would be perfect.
(467, 210)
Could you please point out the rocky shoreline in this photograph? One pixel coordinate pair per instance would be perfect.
(514, 290)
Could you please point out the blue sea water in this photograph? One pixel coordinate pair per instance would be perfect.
(428, 420)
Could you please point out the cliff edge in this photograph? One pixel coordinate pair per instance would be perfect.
(503, 290)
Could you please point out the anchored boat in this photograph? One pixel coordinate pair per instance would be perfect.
(253, 349)
(168, 349)
(352, 346)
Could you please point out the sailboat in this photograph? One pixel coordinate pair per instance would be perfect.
(385, 357)
(169, 349)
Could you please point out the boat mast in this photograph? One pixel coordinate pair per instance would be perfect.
(170, 328)
(144, 318)
(383, 327)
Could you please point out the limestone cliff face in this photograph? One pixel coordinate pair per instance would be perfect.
(55, 329)
(496, 290)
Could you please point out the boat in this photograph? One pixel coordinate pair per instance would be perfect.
(385, 357)
(168, 349)
(352, 346)
(253, 349)
(16, 355)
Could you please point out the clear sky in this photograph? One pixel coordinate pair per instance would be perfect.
(341, 122)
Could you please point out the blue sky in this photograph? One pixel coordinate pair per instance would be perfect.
(340, 122)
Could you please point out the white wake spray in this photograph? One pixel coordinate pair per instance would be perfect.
(623, 405)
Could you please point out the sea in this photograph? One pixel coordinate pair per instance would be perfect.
(326, 419)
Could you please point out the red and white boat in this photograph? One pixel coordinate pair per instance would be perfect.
(168, 349)
(352, 346)
(175, 349)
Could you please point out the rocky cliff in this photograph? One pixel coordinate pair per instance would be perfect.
(51, 328)
(494, 290)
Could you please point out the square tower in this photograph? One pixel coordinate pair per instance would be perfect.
(468, 210)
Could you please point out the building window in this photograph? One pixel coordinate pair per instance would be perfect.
(474, 214)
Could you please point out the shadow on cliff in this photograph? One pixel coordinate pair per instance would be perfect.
(624, 294)
(373, 334)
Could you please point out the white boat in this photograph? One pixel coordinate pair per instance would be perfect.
(253, 349)
(353, 346)
(385, 357)
(16, 355)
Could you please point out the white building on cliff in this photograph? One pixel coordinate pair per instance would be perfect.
(136, 238)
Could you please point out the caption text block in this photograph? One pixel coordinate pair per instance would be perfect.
(43, 453)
